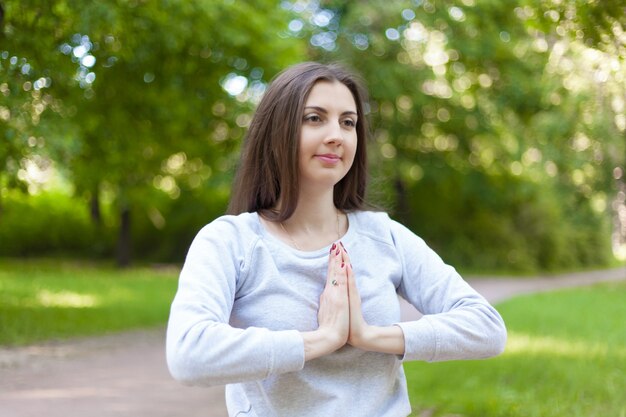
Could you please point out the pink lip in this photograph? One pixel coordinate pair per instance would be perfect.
(328, 158)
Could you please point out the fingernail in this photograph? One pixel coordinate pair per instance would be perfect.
(332, 248)
(338, 251)
(341, 243)
(342, 264)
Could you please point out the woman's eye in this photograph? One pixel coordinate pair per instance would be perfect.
(349, 123)
(312, 118)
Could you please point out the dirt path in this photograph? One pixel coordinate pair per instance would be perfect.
(125, 374)
(118, 375)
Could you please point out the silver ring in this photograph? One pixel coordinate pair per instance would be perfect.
(334, 282)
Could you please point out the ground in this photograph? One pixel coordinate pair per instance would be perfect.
(125, 374)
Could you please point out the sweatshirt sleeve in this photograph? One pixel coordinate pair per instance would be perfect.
(202, 348)
(458, 323)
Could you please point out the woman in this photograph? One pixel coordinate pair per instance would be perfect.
(292, 299)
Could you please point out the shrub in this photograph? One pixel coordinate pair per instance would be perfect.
(49, 223)
(482, 222)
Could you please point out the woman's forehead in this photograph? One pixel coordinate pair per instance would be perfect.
(331, 94)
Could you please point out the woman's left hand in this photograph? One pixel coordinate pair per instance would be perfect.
(388, 339)
(358, 326)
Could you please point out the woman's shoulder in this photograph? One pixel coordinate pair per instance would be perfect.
(242, 220)
(373, 224)
(369, 216)
(235, 227)
(379, 225)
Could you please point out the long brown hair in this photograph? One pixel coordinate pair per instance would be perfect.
(268, 168)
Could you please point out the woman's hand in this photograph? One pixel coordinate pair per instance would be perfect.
(340, 316)
(388, 339)
(334, 313)
(358, 326)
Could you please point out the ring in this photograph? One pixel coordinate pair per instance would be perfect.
(334, 282)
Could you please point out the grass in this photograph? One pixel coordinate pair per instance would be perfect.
(53, 299)
(566, 356)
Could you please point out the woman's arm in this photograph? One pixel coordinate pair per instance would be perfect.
(385, 339)
(458, 323)
(202, 347)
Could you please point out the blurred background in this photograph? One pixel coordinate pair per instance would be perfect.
(499, 127)
(498, 135)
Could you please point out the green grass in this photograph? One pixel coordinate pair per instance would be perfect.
(54, 299)
(566, 354)
(565, 357)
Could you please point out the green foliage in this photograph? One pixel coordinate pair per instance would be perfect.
(43, 300)
(56, 224)
(498, 222)
(52, 224)
(498, 126)
(164, 234)
(559, 361)
(141, 87)
(498, 139)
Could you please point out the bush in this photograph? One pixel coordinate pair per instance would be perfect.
(481, 222)
(54, 223)
(183, 218)
(476, 221)
(49, 223)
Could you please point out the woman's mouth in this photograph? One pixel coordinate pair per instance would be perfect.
(328, 158)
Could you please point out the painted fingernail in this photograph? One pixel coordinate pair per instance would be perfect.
(332, 248)
(338, 252)
(342, 265)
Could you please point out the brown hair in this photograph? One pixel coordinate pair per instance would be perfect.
(268, 166)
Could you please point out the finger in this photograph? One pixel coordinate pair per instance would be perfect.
(335, 276)
(331, 262)
(344, 252)
(353, 291)
(341, 278)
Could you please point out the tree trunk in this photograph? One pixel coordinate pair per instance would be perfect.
(94, 207)
(124, 238)
(402, 203)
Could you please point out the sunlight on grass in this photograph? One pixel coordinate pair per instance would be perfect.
(525, 344)
(565, 357)
(66, 299)
(57, 299)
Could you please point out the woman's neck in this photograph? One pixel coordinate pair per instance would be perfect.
(314, 211)
(315, 223)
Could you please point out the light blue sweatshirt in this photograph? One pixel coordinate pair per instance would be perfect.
(244, 296)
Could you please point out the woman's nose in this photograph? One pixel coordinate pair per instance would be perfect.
(334, 134)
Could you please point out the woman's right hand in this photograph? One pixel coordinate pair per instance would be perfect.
(334, 311)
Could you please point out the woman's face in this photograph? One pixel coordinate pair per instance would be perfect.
(328, 137)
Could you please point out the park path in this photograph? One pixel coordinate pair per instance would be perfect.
(125, 374)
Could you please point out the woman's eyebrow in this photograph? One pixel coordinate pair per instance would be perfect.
(323, 110)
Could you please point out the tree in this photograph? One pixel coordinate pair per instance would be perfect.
(502, 123)
(144, 86)
(475, 128)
